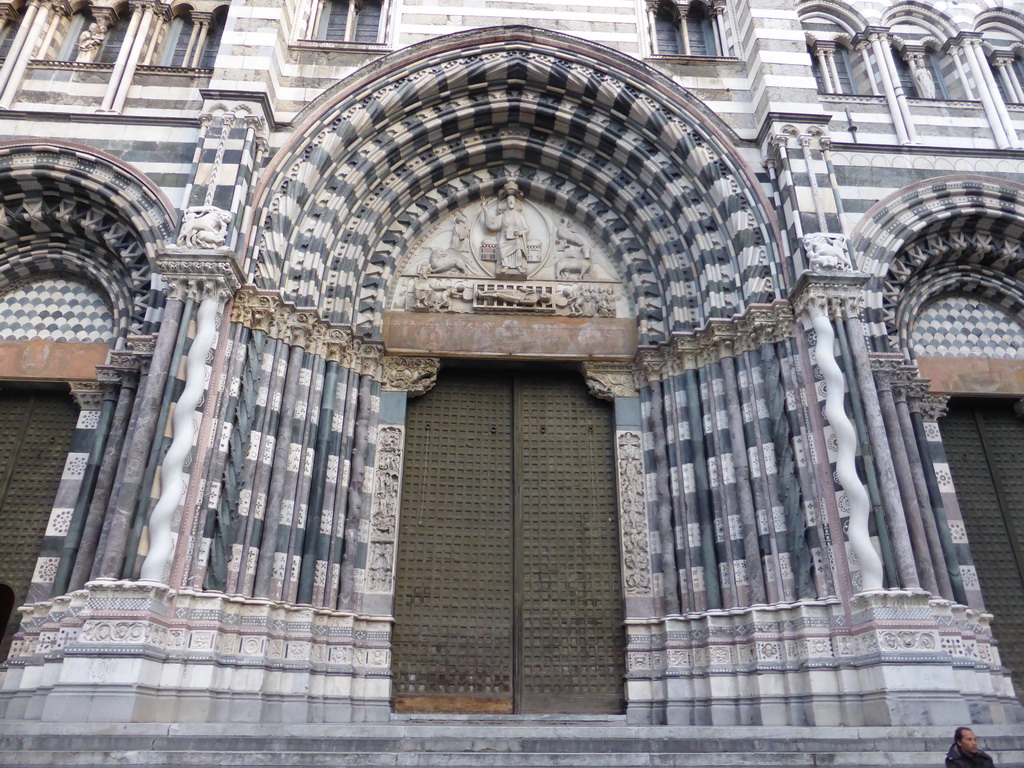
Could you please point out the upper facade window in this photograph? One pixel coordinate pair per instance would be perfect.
(350, 21)
(696, 29)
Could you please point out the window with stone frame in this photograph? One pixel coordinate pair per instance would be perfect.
(350, 21)
(700, 30)
(79, 22)
(668, 40)
(114, 38)
(180, 40)
(207, 55)
(12, 20)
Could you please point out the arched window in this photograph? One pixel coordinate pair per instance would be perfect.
(212, 44)
(10, 30)
(906, 76)
(80, 22)
(667, 39)
(179, 41)
(932, 63)
(700, 32)
(368, 22)
(112, 41)
(356, 21)
(334, 20)
(844, 69)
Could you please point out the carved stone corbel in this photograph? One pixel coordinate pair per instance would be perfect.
(607, 381)
(412, 375)
(88, 395)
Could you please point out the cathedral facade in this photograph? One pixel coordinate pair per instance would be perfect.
(648, 359)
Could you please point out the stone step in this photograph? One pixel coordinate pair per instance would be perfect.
(493, 744)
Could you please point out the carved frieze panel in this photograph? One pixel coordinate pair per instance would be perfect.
(508, 254)
(636, 550)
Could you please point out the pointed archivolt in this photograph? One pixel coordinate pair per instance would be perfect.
(620, 150)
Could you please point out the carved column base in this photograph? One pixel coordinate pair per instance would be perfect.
(894, 659)
(141, 652)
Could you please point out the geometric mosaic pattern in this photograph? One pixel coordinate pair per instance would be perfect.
(962, 326)
(56, 309)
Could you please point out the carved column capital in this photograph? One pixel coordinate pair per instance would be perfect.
(654, 365)
(122, 369)
(885, 367)
(255, 309)
(917, 390)
(608, 381)
(832, 295)
(934, 407)
(412, 375)
(89, 395)
(199, 276)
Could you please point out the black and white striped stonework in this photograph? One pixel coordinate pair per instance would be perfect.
(430, 130)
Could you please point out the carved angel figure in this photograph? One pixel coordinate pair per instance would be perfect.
(204, 227)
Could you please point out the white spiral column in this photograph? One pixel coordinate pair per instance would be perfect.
(209, 283)
(819, 296)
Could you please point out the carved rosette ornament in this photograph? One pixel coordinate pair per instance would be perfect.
(384, 517)
(636, 552)
(608, 381)
(413, 375)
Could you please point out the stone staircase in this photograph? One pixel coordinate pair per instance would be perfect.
(500, 742)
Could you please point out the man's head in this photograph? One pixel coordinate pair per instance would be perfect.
(966, 740)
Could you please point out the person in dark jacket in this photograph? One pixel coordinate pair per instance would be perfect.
(965, 753)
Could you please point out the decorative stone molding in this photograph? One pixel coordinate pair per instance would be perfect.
(608, 381)
(831, 295)
(89, 395)
(413, 375)
(164, 638)
(267, 312)
(380, 561)
(199, 275)
(636, 550)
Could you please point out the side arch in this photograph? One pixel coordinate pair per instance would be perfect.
(72, 210)
(891, 242)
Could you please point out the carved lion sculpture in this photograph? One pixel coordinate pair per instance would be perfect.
(444, 260)
(826, 252)
(204, 227)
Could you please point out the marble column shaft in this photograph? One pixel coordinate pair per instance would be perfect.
(653, 410)
(892, 499)
(349, 398)
(741, 471)
(356, 511)
(270, 568)
(143, 433)
(113, 455)
(921, 489)
(273, 369)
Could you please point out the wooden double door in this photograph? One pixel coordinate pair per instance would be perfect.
(508, 584)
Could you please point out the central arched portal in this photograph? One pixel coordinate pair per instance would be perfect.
(508, 589)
